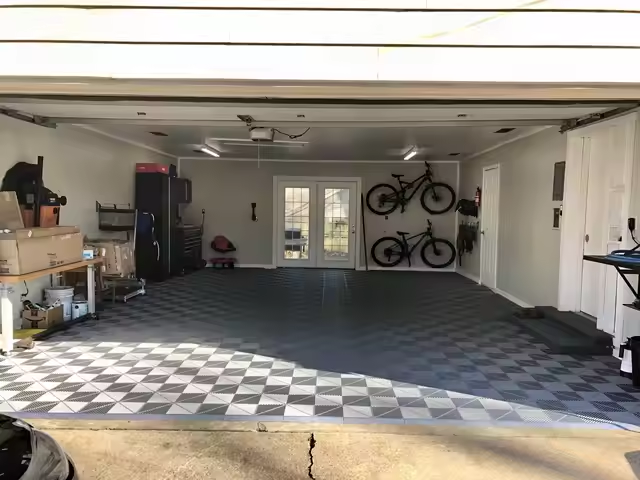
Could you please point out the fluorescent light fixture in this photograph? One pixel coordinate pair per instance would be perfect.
(410, 154)
(209, 151)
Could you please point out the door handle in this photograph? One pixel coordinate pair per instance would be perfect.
(353, 229)
(481, 232)
(586, 238)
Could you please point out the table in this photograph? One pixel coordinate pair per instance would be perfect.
(623, 268)
(6, 308)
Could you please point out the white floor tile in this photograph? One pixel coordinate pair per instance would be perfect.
(119, 409)
(241, 409)
(61, 408)
(295, 410)
(177, 410)
(415, 412)
(384, 402)
(357, 412)
(439, 402)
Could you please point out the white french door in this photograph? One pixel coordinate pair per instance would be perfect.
(316, 223)
(489, 210)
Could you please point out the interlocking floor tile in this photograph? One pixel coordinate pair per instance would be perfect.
(375, 346)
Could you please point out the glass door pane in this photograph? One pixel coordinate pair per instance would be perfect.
(336, 224)
(296, 223)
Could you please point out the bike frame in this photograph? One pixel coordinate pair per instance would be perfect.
(406, 186)
(410, 249)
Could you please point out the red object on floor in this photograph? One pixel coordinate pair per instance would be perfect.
(222, 262)
(152, 168)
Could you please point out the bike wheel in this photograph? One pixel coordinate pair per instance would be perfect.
(388, 252)
(438, 253)
(438, 198)
(383, 199)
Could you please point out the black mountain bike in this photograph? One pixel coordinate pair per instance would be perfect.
(436, 252)
(436, 198)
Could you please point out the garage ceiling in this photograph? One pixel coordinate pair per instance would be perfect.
(356, 143)
(338, 131)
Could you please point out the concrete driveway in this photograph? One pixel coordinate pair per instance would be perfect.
(105, 450)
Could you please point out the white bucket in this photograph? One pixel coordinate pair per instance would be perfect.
(79, 309)
(64, 295)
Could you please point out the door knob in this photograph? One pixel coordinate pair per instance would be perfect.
(482, 232)
(586, 238)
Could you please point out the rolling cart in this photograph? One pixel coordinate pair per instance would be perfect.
(118, 218)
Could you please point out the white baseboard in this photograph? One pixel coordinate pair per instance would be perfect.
(410, 269)
(516, 300)
(470, 276)
(508, 296)
(249, 265)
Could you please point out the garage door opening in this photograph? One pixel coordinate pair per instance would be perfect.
(266, 341)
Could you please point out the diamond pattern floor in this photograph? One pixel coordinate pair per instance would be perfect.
(315, 345)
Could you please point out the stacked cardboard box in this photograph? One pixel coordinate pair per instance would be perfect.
(26, 250)
(117, 255)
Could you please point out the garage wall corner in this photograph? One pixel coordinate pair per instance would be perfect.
(82, 165)
(528, 245)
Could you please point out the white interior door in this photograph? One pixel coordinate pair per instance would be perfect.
(604, 223)
(337, 224)
(316, 223)
(489, 210)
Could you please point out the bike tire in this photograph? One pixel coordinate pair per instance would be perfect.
(447, 248)
(388, 264)
(371, 200)
(427, 191)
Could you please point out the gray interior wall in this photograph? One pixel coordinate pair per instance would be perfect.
(226, 189)
(82, 165)
(528, 246)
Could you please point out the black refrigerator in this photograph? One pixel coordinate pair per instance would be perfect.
(157, 206)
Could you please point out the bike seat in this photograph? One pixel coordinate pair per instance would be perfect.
(397, 175)
(402, 233)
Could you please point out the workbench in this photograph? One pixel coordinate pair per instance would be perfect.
(624, 268)
(6, 308)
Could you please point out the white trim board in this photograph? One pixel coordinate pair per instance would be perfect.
(506, 142)
(144, 146)
(408, 269)
(470, 276)
(508, 296)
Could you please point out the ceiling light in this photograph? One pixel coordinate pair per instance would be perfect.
(504, 130)
(209, 151)
(410, 154)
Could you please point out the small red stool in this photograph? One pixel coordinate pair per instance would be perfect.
(222, 262)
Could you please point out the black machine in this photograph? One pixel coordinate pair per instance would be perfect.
(40, 207)
(165, 246)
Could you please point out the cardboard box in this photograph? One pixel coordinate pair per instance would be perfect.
(10, 214)
(28, 250)
(42, 319)
(117, 256)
